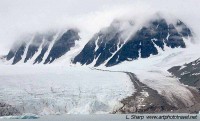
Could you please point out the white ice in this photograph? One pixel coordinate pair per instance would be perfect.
(45, 90)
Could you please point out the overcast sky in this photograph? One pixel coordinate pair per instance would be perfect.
(24, 16)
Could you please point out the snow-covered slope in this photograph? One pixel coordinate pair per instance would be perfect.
(118, 43)
(123, 40)
(42, 47)
(188, 73)
(153, 72)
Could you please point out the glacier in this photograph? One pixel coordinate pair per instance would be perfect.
(45, 90)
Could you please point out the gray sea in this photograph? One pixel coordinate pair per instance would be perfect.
(108, 117)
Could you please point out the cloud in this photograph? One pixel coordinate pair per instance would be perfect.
(26, 16)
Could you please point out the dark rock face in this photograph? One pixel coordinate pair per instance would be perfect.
(17, 50)
(61, 46)
(188, 74)
(12, 52)
(10, 55)
(45, 47)
(19, 53)
(6, 110)
(100, 47)
(109, 47)
(87, 54)
(16, 53)
(185, 31)
(33, 47)
(175, 39)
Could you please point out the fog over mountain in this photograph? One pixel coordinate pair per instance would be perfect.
(22, 16)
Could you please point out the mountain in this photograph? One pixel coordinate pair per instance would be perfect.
(188, 74)
(51, 44)
(109, 47)
(123, 40)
